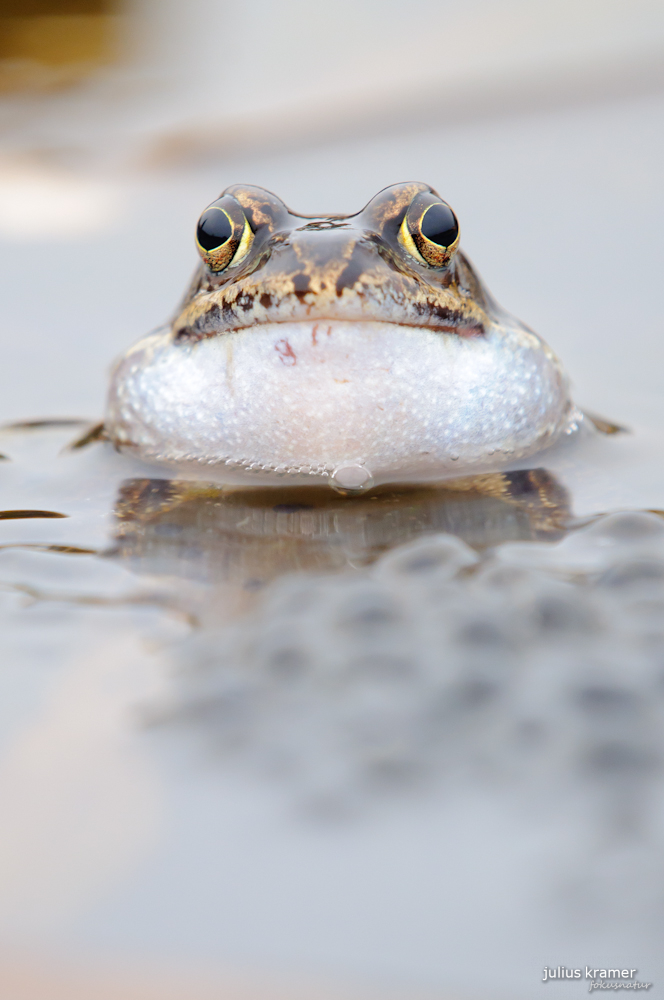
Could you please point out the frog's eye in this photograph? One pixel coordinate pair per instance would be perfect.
(223, 235)
(430, 231)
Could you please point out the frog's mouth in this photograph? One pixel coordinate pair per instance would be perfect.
(434, 317)
(310, 398)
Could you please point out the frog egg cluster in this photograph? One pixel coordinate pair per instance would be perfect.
(537, 667)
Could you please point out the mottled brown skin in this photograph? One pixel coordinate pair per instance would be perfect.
(346, 267)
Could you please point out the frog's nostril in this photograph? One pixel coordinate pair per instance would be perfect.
(301, 285)
(353, 270)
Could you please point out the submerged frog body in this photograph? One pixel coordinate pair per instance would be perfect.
(348, 349)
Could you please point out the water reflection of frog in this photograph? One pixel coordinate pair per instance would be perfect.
(344, 349)
(246, 537)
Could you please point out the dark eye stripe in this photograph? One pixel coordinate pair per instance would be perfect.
(439, 225)
(214, 229)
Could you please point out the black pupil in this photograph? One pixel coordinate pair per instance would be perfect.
(439, 225)
(214, 228)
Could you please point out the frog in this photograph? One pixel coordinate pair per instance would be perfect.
(340, 350)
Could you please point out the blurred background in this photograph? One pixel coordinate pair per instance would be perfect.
(542, 123)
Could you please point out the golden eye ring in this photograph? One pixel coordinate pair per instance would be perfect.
(430, 230)
(223, 234)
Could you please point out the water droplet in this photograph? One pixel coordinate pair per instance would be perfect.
(351, 479)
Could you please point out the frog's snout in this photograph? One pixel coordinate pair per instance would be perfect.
(335, 273)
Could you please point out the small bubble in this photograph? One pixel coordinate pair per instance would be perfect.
(289, 661)
(554, 614)
(530, 733)
(504, 578)
(392, 768)
(627, 574)
(383, 666)
(367, 615)
(616, 758)
(631, 526)
(482, 632)
(441, 555)
(476, 692)
(602, 700)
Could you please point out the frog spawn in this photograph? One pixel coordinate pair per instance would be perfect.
(537, 669)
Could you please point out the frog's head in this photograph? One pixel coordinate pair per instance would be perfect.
(394, 261)
(343, 348)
